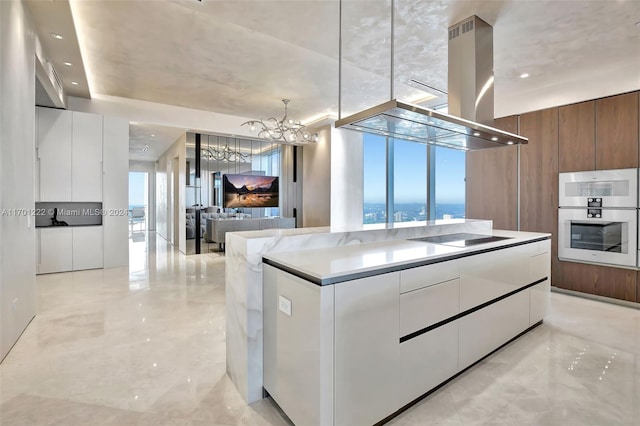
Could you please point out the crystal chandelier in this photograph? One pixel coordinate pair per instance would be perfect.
(285, 130)
(225, 154)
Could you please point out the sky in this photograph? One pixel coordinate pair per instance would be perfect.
(137, 184)
(410, 172)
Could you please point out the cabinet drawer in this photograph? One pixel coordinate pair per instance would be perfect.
(539, 267)
(487, 329)
(424, 276)
(491, 275)
(427, 306)
(428, 360)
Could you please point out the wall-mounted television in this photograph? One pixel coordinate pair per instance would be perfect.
(246, 191)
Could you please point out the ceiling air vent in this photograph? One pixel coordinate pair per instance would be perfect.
(467, 26)
(454, 32)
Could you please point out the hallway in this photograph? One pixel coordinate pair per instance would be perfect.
(118, 347)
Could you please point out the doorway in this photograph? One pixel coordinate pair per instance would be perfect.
(138, 205)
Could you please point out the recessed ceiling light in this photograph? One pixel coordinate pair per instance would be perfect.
(524, 75)
(510, 143)
(153, 136)
(68, 64)
(476, 133)
(56, 36)
(494, 138)
(75, 83)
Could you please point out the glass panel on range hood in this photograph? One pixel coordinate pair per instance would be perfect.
(414, 123)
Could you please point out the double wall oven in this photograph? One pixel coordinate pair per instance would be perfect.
(597, 218)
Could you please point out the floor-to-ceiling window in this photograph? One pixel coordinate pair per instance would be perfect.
(375, 178)
(407, 181)
(449, 183)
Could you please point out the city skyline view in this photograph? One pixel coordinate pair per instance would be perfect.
(409, 181)
(410, 172)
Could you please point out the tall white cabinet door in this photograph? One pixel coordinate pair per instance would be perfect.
(367, 347)
(54, 154)
(54, 249)
(86, 157)
(87, 247)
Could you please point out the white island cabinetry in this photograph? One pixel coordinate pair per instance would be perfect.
(352, 347)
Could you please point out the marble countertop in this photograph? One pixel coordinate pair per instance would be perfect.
(337, 264)
(265, 233)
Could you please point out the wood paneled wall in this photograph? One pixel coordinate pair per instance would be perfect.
(539, 177)
(577, 137)
(598, 134)
(599, 280)
(617, 132)
(492, 181)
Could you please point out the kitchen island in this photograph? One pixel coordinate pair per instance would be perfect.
(243, 278)
(353, 334)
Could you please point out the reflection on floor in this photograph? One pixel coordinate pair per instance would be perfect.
(205, 247)
(146, 346)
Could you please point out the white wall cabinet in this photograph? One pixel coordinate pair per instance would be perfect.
(86, 157)
(68, 248)
(54, 250)
(54, 155)
(83, 157)
(69, 155)
(87, 247)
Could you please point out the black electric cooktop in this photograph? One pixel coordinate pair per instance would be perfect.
(461, 239)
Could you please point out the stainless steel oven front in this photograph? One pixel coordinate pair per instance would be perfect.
(607, 236)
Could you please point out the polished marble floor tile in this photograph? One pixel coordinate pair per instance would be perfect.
(145, 345)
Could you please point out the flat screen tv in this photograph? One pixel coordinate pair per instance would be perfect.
(250, 191)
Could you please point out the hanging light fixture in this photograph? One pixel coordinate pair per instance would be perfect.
(225, 154)
(284, 131)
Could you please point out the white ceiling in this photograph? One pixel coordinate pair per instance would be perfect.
(241, 57)
(147, 141)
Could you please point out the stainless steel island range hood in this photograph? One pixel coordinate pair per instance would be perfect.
(470, 96)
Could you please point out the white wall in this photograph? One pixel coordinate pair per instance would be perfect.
(164, 202)
(347, 179)
(115, 191)
(333, 179)
(18, 44)
(148, 167)
(316, 191)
